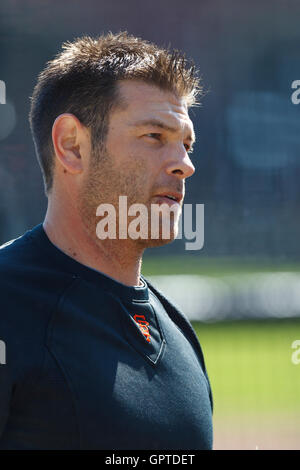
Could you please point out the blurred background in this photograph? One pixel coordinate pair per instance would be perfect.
(242, 289)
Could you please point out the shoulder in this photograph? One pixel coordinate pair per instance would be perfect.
(29, 287)
(15, 264)
(26, 265)
(17, 254)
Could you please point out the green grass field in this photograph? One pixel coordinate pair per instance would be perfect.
(256, 387)
(250, 367)
(216, 267)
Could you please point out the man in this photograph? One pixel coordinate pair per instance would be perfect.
(96, 357)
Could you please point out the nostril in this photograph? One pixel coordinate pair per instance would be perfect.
(177, 171)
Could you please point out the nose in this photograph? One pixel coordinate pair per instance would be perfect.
(180, 164)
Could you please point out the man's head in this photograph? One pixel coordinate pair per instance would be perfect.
(109, 117)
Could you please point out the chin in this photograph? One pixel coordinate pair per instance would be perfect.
(156, 243)
(160, 241)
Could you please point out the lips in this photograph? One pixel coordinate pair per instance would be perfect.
(170, 196)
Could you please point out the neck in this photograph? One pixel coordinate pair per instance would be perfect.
(119, 259)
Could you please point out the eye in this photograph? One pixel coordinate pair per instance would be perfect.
(153, 135)
(188, 149)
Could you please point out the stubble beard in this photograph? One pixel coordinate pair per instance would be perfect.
(104, 184)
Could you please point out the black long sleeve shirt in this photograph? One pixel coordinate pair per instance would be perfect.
(92, 363)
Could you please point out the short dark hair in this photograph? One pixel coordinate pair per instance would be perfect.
(82, 80)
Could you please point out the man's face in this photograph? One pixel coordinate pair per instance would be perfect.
(145, 157)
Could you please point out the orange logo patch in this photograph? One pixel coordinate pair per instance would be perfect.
(143, 324)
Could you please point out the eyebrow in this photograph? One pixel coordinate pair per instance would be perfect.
(161, 125)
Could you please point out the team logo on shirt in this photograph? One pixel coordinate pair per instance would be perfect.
(143, 325)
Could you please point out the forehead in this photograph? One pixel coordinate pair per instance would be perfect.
(145, 102)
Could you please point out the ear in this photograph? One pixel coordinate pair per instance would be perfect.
(69, 138)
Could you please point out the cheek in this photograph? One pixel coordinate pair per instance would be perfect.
(137, 170)
(135, 181)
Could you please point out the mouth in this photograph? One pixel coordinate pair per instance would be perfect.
(170, 197)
